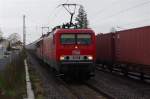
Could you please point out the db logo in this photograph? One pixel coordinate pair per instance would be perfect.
(76, 52)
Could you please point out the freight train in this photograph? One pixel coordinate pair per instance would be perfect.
(68, 51)
(68, 48)
(128, 50)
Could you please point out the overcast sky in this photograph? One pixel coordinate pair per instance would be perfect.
(102, 15)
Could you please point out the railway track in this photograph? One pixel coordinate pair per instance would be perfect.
(121, 87)
(133, 75)
(84, 90)
(102, 86)
(99, 91)
(63, 89)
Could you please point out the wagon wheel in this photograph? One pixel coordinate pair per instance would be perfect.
(110, 68)
(141, 73)
(124, 70)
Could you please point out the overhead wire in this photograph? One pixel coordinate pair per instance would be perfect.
(53, 12)
(138, 21)
(127, 25)
(103, 9)
(115, 14)
(66, 1)
(124, 10)
(55, 15)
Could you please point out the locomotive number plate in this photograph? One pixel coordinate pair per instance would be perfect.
(76, 57)
(76, 52)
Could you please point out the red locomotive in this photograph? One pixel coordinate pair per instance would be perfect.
(69, 51)
(128, 50)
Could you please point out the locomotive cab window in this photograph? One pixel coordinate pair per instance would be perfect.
(83, 38)
(68, 38)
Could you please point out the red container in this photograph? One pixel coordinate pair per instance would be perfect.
(105, 48)
(133, 46)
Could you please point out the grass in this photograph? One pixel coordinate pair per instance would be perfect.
(12, 79)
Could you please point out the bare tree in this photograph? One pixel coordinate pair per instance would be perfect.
(13, 38)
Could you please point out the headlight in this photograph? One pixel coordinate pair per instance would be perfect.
(90, 57)
(62, 57)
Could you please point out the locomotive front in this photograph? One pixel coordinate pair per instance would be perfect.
(76, 50)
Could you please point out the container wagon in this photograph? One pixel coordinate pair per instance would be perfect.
(130, 50)
(105, 49)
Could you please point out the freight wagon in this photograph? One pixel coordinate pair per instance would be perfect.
(128, 50)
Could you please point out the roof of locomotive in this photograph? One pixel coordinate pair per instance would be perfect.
(62, 30)
(74, 31)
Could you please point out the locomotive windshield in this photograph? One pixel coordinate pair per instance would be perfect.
(76, 39)
(68, 39)
(83, 38)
